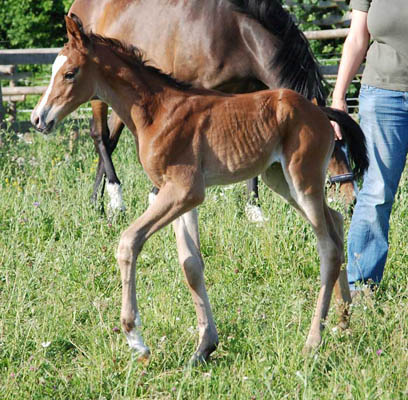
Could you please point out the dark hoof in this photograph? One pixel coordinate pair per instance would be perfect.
(201, 357)
(94, 203)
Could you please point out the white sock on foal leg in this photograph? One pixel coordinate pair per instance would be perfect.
(152, 198)
(135, 340)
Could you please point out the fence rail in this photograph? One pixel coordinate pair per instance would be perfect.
(9, 59)
(28, 56)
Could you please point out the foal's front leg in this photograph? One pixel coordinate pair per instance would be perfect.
(171, 202)
(188, 246)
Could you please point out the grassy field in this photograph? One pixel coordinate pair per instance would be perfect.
(60, 293)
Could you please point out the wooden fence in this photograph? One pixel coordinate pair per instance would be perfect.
(329, 13)
(10, 59)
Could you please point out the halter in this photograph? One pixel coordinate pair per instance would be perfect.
(349, 177)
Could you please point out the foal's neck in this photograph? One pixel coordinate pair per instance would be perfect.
(134, 92)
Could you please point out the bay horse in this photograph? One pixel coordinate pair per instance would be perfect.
(189, 139)
(235, 46)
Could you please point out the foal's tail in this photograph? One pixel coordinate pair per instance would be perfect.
(354, 137)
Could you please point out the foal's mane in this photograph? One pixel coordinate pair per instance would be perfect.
(133, 56)
(298, 67)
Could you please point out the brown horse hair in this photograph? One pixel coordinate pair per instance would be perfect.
(293, 67)
(201, 138)
(131, 55)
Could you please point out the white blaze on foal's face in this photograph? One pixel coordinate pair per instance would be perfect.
(73, 80)
(43, 114)
(58, 63)
(69, 87)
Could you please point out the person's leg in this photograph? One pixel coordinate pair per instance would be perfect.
(384, 120)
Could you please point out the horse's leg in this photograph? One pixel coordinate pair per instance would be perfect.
(99, 111)
(188, 245)
(100, 172)
(100, 134)
(331, 251)
(313, 207)
(253, 209)
(339, 166)
(341, 287)
(116, 126)
(275, 179)
(153, 194)
(172, 201)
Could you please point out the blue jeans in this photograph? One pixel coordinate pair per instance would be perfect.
(384, 120)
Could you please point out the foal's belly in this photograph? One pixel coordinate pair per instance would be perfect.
(223, 173)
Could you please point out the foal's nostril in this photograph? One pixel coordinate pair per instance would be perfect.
(34, 118)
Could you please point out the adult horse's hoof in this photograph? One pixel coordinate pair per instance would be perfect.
(95, 204)
(255, 215)
(343, 325)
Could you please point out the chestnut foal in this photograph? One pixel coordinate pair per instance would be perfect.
(235, 46)
(189, 139)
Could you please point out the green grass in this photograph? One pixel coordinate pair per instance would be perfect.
(60, 294)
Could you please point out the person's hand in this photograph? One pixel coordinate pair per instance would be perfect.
(340, 104)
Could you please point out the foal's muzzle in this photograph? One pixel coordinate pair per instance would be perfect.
(40, 122)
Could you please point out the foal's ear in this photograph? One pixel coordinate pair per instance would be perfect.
(75, 31)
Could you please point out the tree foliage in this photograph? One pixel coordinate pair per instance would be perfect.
(32, 23)
(40, 23)
(308, 12)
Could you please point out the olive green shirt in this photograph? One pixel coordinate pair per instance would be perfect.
(387, 57)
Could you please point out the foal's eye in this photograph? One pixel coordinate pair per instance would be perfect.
(70, 75)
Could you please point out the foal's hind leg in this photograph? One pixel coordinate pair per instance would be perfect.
(188, 245)
(330, 248)
(331, 257)
(275, 179)
(313, 207)
(341, 287)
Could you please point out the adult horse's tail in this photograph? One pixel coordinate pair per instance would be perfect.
(354, 137)
(297, 66)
